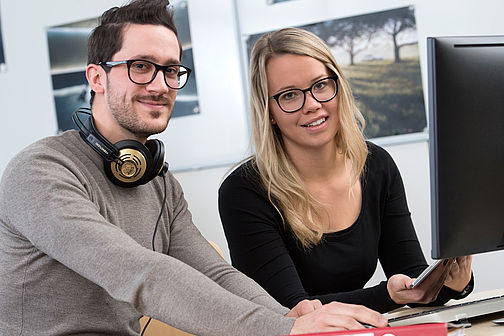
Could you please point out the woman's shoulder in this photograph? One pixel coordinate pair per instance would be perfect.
(244, 186)
(244, 174)
(379, 161)
(378, 154)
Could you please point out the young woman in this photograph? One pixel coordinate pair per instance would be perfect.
(311, 213)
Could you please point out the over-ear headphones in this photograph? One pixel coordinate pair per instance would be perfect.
(127, 163)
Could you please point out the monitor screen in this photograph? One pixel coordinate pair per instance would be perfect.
(466, 125)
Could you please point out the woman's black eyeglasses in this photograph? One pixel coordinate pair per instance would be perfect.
(293, 100)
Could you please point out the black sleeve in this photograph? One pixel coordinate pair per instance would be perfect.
(257, 247)
(446, 294)
(257, 238)
(400, 251)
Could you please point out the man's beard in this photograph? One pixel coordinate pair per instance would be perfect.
(126, 116)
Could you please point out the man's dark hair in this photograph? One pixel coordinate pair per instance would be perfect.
(106, 39)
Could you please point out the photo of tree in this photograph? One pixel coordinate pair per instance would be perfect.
(378, 53)
(68, 59)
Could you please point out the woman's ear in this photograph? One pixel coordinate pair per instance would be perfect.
(96, 78)
(273, 122)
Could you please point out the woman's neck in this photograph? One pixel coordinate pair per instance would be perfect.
(318, 165)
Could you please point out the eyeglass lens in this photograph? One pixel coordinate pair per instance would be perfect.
(322, 91)
(143, 72)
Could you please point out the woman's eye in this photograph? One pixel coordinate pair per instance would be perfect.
(289, 95)
(319, 85)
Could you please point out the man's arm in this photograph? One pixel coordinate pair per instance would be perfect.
(49, 204)
(188, 245)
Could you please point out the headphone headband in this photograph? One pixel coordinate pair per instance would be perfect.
(94, 138)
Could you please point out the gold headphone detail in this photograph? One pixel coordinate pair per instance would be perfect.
(132, 168)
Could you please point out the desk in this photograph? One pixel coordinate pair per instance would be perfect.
(483, 326)
(480, 325)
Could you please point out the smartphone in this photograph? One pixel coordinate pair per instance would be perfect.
(425, 273)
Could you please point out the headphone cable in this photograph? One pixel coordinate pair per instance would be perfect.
(154, 235)
(160, 212)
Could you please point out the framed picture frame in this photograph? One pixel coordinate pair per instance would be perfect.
(67, 46)
(208, 127)
(2, 54)
(378, 53)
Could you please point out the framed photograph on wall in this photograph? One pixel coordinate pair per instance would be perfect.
(378, 53)
(2, 55)
(68, 59)
(272, 2)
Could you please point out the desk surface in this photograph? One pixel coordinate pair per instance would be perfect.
(481, 325)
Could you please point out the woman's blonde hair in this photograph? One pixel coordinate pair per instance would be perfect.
(285, 188)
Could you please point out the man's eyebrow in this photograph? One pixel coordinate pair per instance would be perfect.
(155, 60)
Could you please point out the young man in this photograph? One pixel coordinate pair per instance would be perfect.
(80, 217)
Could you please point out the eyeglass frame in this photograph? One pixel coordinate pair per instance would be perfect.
(111, 64)
(276, 96)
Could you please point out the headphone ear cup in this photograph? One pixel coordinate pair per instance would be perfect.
(136, 168)
(156, 147)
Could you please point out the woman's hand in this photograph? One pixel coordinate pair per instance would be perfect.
(460, 274)
(399, 289)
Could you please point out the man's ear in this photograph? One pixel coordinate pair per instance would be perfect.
(96, 78)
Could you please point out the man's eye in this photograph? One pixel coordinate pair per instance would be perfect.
(141, 66)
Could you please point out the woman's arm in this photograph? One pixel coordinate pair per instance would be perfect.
(257, 245)
(400, 251)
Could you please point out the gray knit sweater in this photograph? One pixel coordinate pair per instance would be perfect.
(76, 258)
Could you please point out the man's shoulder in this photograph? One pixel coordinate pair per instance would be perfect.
(57, 142)
(45, 152)
(37, 168)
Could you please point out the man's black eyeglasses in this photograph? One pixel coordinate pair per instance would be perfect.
(293, 100)
(143, 72)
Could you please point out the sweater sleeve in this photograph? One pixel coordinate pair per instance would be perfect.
(189, 246)
(46, 202)
(257, 247)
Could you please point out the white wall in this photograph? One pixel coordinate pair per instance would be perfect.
(28, 113)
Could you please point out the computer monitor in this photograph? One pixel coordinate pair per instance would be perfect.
(466, 125)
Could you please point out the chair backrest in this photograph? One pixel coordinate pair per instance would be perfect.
(158, 328)
(217, 248)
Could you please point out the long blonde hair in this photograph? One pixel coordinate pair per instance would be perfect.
(280, 178)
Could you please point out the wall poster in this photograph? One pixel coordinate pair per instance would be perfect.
(68, 59)
(379, 55)
(2, 55)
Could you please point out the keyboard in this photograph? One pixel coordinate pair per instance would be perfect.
(451, 313)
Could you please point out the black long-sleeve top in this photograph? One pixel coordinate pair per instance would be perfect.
(336, 269)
